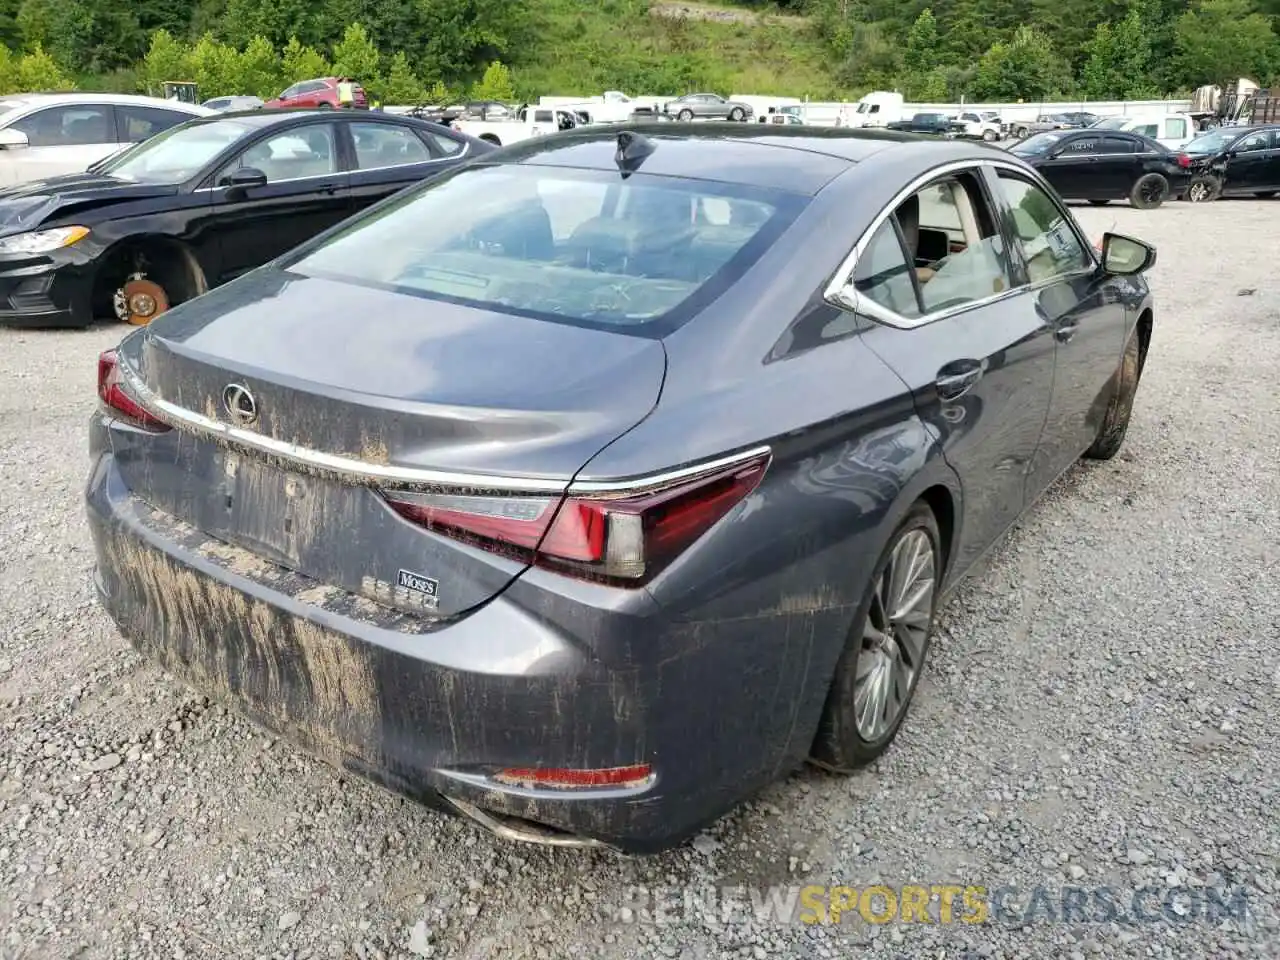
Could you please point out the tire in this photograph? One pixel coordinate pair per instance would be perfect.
(736, 115)
(1149, 192)
(685, 114)
(1021, 133)
(1115, 422)
(990, 136)
(324, 105)
(841, 744)
(1099, 203)
(1265, 194)
(1203, 189)
(490, 138)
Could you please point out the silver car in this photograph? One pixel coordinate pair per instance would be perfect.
(228, 104)
(706, 106)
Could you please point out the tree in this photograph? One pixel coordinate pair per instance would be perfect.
(258, 68)
(215, 67)
(300, 62)
(1024, 68)
(920, 79)
(496, 84)
(166, 59)
(1219, 41)
(399, 86)
(921, 54)
(37, 70)
(355, 55)
(1119, 64)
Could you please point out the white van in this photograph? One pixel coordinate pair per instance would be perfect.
(1173, 130)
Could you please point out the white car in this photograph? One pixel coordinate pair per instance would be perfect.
(1173, 130)
(50, 134)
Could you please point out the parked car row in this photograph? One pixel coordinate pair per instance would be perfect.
(1102, 164)
(198, 204)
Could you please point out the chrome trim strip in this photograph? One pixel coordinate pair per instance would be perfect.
(844, 273)
(365, 472)
(525, 833)
(605, 488)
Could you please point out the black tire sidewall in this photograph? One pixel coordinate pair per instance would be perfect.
(1135, 194)
(838, 745)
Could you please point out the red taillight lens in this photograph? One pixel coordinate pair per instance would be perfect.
(1184, 160)
(112, 393)
(616, 538)
(571, 779)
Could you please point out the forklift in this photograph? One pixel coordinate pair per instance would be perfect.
(183, 91)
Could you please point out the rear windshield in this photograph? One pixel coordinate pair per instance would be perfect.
(575, 246)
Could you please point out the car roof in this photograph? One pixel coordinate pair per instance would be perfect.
(796, 159)
(259, 119)
(48, 99)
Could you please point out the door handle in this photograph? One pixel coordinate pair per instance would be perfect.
(956, 379)
(328, 188)
(1066, 330)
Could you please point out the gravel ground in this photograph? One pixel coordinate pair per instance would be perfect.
(1098, 711)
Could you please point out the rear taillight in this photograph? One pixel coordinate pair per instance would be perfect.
(1184, 160)
(624, 538)
(111, 392)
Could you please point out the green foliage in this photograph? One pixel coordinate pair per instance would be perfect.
(496, 84)
(931, 50)
(1024, 68)
(258, 69)
(34, 70)
(399, 85)
(1119, 64)
(301, 62)
(1219, 40)
(166, 59)
(355, 55)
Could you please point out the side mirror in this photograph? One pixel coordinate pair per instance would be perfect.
(11, 139)
(1126, 257)
(241, 180)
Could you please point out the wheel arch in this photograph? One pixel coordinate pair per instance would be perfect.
(1146, 320)
(174, 254)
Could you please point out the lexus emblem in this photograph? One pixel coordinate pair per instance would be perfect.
(241, 406)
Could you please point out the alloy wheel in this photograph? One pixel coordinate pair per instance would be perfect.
(895, 635)
(1198, 192)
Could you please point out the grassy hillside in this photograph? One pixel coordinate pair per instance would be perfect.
(668, 46)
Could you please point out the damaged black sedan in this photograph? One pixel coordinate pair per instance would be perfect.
(199, 204)
(589, 488)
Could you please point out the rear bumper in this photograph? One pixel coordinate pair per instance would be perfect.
(431, 710)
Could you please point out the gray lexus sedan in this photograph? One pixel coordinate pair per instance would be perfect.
(594, 485)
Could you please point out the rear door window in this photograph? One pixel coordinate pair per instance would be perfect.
(142, 123)
(386, 145)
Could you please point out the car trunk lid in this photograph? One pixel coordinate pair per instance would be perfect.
(356, 389)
